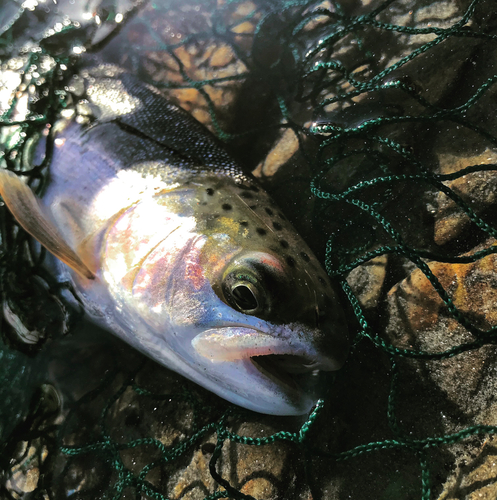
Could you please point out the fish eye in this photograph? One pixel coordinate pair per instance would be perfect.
(255, 284)
(245, 297)
(243, 293)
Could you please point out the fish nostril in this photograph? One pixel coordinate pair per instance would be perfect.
(319, 317)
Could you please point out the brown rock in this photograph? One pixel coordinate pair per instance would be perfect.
(472, 288)
(259, 488)
(367, 281)
(199, 58)
(197, 472)
(222, 57)
(474, 478)
(245, 28)
(244, 9)
(282, 151)
(25, 475)
(419, 321)
(477, 190)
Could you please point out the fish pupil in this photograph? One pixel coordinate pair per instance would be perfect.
(244, 298)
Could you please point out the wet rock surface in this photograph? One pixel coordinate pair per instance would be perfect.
(478, 190)
(161, 431)
(179, 51)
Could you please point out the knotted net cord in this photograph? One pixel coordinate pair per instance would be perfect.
(308, 67)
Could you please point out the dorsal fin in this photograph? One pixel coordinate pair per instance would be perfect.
(37, 221)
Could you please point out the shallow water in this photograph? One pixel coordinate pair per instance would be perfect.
(398, 420)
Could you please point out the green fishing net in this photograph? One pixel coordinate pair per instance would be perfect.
(373, 125)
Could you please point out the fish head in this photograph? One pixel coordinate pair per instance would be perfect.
(249, 311)
(292, 303)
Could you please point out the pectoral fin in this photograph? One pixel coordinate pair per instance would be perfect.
(37, 221)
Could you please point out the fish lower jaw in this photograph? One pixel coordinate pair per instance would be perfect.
(263, 372)
(294, 372)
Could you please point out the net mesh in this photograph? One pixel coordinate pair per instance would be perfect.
(383, 112)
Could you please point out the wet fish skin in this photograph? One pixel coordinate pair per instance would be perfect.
(193, 263)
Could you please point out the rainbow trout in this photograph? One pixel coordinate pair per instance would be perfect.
(171, 247)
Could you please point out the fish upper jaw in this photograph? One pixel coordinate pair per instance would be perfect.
(232, 343)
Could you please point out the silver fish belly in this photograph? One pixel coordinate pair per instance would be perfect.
(173, 249)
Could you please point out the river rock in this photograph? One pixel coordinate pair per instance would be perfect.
(477, 189)
(179, 52)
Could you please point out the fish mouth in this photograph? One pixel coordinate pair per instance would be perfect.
(288, 359)
(295, 372)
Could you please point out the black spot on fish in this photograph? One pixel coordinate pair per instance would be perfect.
(290, 261)
(284, 243)
(247, 195)
(277, 226)
(261, 231)
(305, 256)
(243, 186)
(254, 189)
(226, 206)
(322, 280)
(268, 211)
(244, 223)
(209, 191)
(253, 207)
